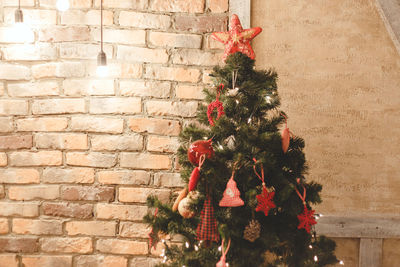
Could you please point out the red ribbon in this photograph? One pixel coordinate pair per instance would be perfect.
(262, 172)
(216, 105)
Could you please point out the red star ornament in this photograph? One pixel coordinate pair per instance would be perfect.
(265, 201)
(306, 219)
(237, 39)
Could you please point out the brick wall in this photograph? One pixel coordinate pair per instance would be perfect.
(79, 154)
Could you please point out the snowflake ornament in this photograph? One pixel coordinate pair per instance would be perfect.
(306, 219)
(265, 201)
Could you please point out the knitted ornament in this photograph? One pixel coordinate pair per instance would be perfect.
(265, 199)
(285, 137)
(198, 148)
(252, 231)
(184, 208)
(222, 261)
(237, 39)
(207, 229)
(306, 219)
(231, 197)
(195, 176)
(216, 105)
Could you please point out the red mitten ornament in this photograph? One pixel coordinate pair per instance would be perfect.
(215, 105)
(231, 196)
(237, 39)
(306, 219)
(207, 229)
(198, 148)
(194, 178)
(265, 200)
(222, 260)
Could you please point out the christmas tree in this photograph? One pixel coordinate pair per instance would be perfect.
(249, 203)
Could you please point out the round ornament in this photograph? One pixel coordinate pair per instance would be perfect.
(198, 148)
(184, 208)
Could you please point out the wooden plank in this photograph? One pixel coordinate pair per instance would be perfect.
(370, 252)
(359, 227)
(242, 9)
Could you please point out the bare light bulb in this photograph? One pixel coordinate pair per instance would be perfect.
(21, 31)
(341, 262)
(62, 5)
(102, 69)
(315, 258)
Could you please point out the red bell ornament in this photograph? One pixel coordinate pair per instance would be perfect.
(198, 148)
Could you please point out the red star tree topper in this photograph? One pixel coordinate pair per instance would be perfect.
(265, 201)
(237, 39)
(306, 219)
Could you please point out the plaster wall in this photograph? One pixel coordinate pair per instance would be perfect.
(340, 85)
(339, 82)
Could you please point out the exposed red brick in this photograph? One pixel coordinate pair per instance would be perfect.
(19, 245)
(83, 211)
(15, 142)
(87, 193)
(209, 23)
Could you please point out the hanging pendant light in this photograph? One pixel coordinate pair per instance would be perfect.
(22, 32)
(19, 16)
(62, 5)
(102, 69)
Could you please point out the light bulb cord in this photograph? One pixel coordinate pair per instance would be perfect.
(19, 4)
(101, 24)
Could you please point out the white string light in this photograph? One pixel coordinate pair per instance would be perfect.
(341, 262)
(310, 246)
(187, 244)
(62, 5)
(315, 258)
(196, 248)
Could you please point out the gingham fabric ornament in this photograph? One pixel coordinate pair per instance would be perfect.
(306, 219)
(216, 105)
(237, 39)
(222, 261)
(207, 230)
(231, 197)
(252, 231)
(265, 200)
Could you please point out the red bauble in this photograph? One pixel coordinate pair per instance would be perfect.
(198, 148)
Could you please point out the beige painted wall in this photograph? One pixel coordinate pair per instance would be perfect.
(340, 84)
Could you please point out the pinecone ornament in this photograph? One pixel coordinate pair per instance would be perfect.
(252, 231)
